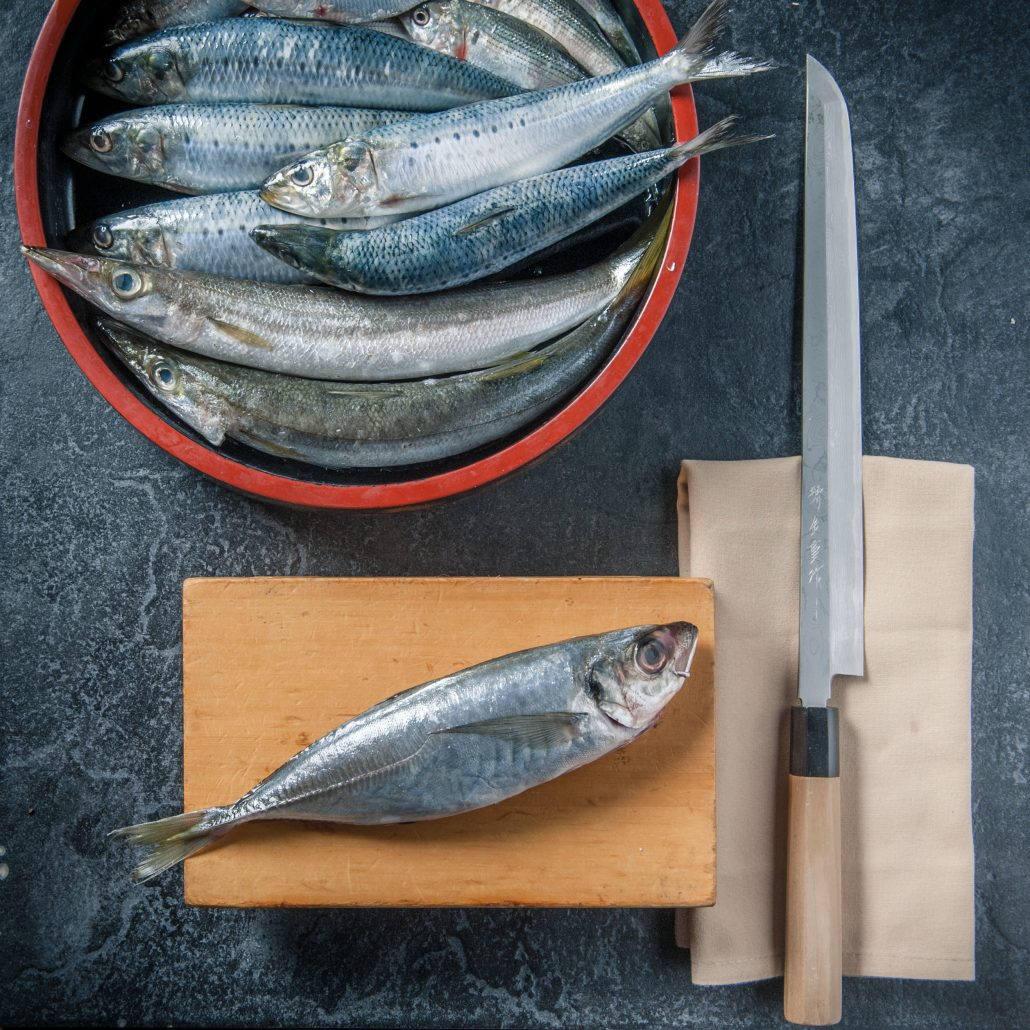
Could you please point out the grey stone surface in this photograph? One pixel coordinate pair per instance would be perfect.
(99, 528)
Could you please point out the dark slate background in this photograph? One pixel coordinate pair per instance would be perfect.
(99, 528)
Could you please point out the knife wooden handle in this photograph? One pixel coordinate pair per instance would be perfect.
(812, 957)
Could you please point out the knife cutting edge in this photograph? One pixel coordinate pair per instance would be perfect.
(831, 633)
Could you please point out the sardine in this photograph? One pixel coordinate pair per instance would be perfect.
(614, 28)
(474, 238)
(459, 743)
(566, 23)
(212, 148)
(343, 12)
(357, 425)
(139, 17)
(201, 234)
(488, 38)
(436, 159)
(321, 333)
(270, 61)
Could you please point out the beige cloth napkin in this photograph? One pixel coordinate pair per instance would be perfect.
(905, 726)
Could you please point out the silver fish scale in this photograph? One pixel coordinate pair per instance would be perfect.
(399, 762)
(351, 425)
(523, 135)
(436, 250)
(211, 148)
(208, 234)
(265, 60)
(342, 11)
(328, 334)
(569, 25)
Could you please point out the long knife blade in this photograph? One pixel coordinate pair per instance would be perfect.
(831, 636)
(831, 629)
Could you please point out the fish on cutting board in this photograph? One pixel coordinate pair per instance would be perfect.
(458, 743)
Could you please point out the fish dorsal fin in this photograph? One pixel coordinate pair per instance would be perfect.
(543, 730)
(480, 223)
(240, 335)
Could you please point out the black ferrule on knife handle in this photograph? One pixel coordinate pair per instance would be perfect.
(814, 741)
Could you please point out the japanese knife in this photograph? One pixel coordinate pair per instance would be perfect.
(831, 639)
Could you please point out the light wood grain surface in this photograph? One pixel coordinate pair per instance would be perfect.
(270, 665)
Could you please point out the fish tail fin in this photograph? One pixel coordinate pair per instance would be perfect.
(174, 839)
(715, 137)
(694, 57)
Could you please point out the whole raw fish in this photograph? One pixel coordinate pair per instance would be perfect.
(345, 12)
(436, 159)
(201, 234)
(569, 26)
(211, 148)
(138, 17)
(488, 38)
(459, 743)
(322, 333)
(474, 238)
(614, 28)
(356, 425)
(270, 61)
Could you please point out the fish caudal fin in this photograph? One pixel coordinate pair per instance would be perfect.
(174, 839)
(715, 137)
(694, 57)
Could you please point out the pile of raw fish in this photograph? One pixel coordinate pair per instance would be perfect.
(402, 156)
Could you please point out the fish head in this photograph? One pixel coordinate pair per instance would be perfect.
(133, 19)
(123, 290)
(307, 247)
(338, 180)
(146, 71)
(437, 24)
(178, 381)
(119, 145)
(642, 673)
(137, 238)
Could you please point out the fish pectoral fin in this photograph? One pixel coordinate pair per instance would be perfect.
(240, 335)
(523, 362)
(544, 730)
(480, 223)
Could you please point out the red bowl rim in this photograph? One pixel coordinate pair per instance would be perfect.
(322, 495)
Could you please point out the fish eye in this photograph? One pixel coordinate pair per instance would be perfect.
(114, 72)
(164, 374)
(302, 175)
(161, 62)
(420, 16)
(126, 283)
(652, 655)
(102, 237)
(100, 141)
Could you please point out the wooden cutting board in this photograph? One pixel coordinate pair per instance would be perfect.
(270, 665)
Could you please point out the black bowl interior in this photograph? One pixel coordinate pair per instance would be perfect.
(72, 195)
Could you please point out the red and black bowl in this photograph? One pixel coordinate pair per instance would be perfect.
(54, 195)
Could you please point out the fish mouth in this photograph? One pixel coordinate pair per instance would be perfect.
(94, 76)
(76, 271)
(685, 651)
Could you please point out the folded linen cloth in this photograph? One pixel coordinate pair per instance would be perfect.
(907, 845)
